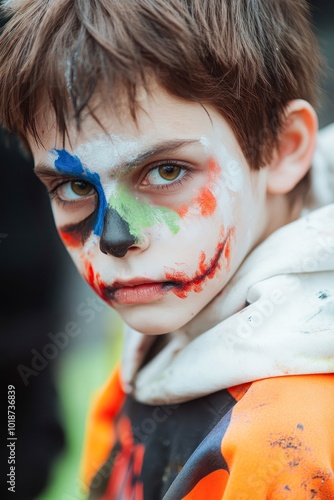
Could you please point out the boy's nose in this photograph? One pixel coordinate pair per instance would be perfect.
(116, 238)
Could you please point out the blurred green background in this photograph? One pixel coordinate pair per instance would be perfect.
(81, 371)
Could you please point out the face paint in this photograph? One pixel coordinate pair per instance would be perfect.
(69, 238)
(179, 246)
(177, 282)
(226, 173)
(75, 235)
(109, 153)
(138, 215)
(206, 200)
(183, 284)
(141, 214)
(232, 174)
(116, 238)
(94, 279)
(71, 165)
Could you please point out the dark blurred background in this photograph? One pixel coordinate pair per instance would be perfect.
(31, 263)
(323, 16)
(40, 290)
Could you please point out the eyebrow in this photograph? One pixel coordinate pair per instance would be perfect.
(159, 149)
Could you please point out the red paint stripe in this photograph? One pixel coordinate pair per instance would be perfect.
(186, 284)
(72, 240)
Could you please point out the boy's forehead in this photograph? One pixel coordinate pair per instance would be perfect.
(156, 114)
(163, 124)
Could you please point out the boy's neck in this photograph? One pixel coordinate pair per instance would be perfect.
(281, 211)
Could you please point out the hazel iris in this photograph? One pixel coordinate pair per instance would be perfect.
(81, 188)
(169, 172)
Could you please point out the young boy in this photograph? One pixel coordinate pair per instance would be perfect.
(175, 139)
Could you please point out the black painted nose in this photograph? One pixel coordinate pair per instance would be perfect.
(116, 238)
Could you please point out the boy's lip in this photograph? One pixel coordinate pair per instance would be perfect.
(133, 282)
(137, 291)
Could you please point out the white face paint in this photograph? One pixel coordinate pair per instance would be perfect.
(107, 153)
(180, 182)
(231, 177)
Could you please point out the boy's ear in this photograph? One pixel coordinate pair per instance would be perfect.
(297, 142)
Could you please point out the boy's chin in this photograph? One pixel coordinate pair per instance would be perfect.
(155, 324)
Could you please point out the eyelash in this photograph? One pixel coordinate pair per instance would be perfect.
(53, 193)
(62, 203)
(185, 177)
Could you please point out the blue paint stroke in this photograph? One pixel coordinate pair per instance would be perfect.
(71, 165)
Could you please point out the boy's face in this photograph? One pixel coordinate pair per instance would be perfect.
(156, 216)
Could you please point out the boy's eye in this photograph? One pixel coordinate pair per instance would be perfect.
(164, 174)
(74, 190)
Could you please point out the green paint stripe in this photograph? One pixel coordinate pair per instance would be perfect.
(140, 214)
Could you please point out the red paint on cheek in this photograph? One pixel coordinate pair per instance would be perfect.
(201, 265)
(89, 273)
(182, 211)
(227, 250)
(94, 280)
(72, 240)
(206, 200)
(214, 169)
(100, 286)
(185, 284)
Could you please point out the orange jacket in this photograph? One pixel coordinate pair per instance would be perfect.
(271, 439)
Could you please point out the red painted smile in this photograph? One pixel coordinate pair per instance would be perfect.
(144, 290)
(183, 284)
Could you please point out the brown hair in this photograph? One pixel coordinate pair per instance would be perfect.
(247, 58)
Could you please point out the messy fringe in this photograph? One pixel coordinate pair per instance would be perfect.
(247, 58)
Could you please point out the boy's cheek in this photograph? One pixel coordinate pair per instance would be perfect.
(211, 264)
(85, 258)
(204, 204)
